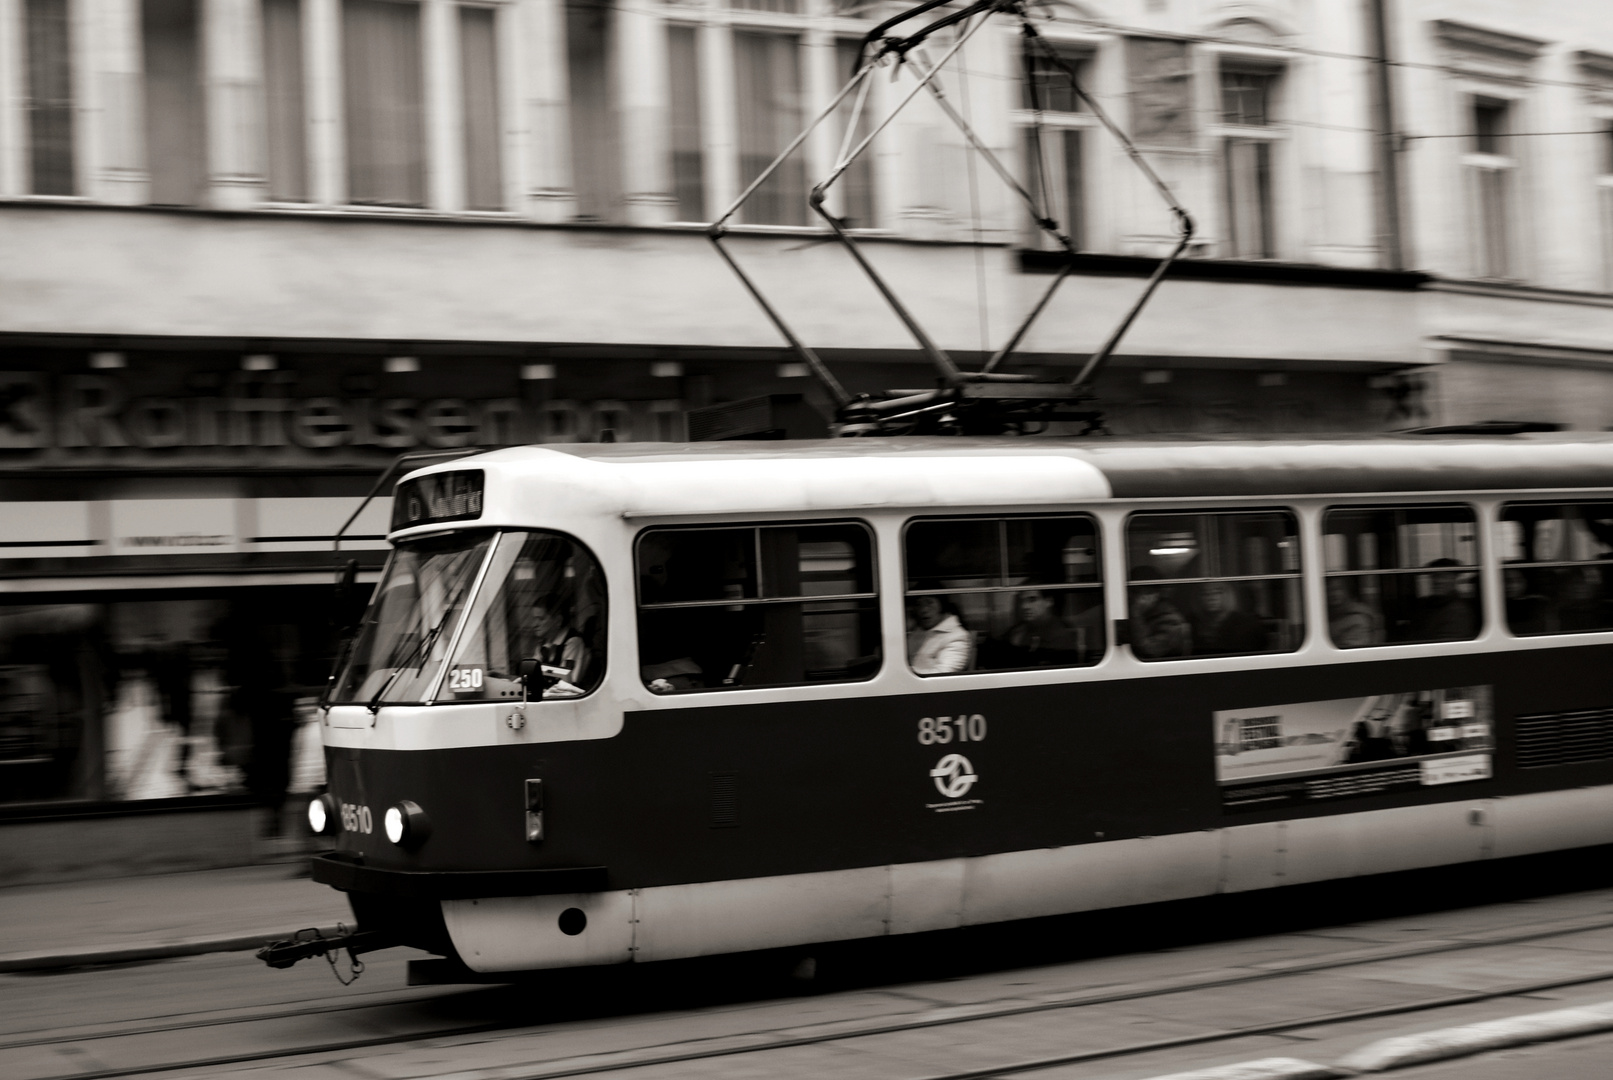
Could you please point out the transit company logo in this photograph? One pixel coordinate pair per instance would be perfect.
(953, 776)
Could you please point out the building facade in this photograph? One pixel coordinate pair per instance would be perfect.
(257, 248)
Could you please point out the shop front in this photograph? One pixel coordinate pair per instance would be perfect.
(168, 604)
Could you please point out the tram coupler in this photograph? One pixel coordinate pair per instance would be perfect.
(313, 942)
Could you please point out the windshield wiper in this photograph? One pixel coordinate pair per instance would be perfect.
(420, 650)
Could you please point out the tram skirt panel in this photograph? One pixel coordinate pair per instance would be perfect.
(1551, 821)
(524, 933)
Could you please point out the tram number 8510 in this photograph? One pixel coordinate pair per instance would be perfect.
(357, 819)
(942, 729)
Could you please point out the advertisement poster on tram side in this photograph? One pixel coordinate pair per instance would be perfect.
(1312, 751)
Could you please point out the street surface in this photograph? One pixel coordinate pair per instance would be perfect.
(1106, 997)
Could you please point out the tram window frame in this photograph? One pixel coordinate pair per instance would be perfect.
(1364, 610)
(572, 635)
(1544, 599)
(1159, 630)
(1002, 644)
(680, 675)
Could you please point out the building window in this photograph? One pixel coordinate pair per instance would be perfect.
(595, 162)
(1248, 134)
(479, 70)
(1604, 200)
(1055, 133)
(382, 90)
(687, 142)
(767, 84)
(50, 98)
(856, 186)
(176, 143)
(1490, 168)
(283, 100)
(1246, 98)
(771, 605)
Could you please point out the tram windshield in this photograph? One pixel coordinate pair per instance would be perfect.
(404, 639)
(543, 598)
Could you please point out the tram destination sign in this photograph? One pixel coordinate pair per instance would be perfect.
(435, 497)
(1320, 751)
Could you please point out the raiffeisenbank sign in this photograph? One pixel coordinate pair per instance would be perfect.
(114, 416)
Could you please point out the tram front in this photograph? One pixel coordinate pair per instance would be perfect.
(483, 647)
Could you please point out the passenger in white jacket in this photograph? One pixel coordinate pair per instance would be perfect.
(938, 644)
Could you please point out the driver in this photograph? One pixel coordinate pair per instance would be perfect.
(556, 644)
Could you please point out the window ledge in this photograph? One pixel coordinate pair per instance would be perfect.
(1262, 271)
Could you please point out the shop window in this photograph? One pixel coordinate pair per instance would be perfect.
(384, 107)
(479, 74)
(1213, 584)
(771, 605)
(403, 643)
(1557, 567)
(50, 98)
(688, 141)
(1400, 575)
(767, 85)
(1003, 594)
(133, 697)
(176, 142)
(283, 101)
(542, 598)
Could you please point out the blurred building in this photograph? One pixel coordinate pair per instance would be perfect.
(256, 248)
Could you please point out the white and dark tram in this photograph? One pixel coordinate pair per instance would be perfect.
(634, 702)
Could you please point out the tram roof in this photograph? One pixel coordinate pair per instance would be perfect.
(738, 477)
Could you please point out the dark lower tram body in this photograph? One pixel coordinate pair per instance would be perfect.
(1143, 779)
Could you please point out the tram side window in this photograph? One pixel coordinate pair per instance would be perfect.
(1399, 575)
(1557, 566)
(1003, 594)
(543, 598)
(1213, 584)
(752, 606)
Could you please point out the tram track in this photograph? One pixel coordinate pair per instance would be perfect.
(836, 1031)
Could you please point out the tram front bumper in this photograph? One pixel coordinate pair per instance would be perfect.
(349, 874)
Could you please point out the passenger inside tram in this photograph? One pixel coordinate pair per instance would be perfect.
(1352, 623)
(1158, 627)
(937, 642)
(1445, 611)
(1221, 627)
(1040, 638)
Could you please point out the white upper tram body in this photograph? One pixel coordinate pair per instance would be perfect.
(605, 499)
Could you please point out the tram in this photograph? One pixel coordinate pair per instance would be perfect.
(619, 703)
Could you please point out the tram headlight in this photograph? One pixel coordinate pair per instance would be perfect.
(322, 818)
(406, 824)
